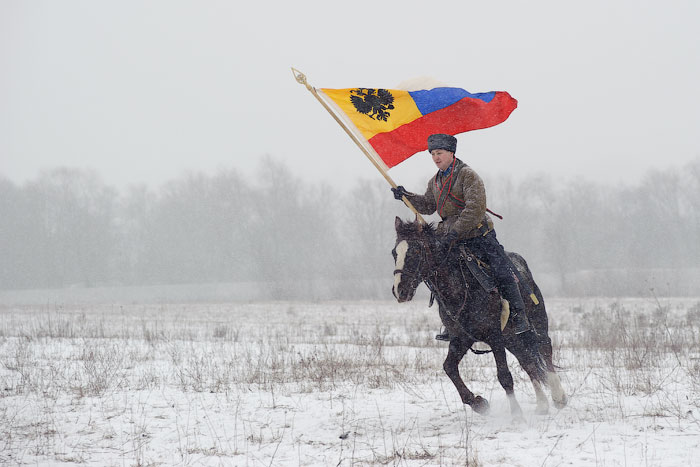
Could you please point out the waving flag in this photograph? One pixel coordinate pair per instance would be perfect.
(397, 123)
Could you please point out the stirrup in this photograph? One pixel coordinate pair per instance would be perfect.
(443, 336)
(523, 328)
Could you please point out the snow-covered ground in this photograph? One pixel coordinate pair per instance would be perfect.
(338, 384)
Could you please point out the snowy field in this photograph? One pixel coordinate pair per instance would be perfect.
(338, 384)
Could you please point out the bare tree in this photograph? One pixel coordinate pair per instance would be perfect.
(72, 212)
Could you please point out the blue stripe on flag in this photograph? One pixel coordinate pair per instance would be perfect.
(435, 99)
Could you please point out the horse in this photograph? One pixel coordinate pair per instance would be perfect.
(471, 313)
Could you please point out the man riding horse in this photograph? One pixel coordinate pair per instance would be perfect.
(457, 194)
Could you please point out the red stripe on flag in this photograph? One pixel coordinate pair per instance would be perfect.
(467, 114)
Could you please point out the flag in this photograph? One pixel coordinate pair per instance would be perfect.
(397, 123)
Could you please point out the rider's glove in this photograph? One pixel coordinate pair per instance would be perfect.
(399, 192)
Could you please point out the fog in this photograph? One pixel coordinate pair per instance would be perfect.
(165, 145)
(276, 236)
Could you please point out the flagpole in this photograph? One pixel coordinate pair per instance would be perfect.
(301, 79)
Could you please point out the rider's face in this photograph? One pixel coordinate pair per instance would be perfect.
(442, 158)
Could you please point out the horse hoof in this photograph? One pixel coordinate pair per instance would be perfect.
(480, 405)
(542, 410)
(560, 404)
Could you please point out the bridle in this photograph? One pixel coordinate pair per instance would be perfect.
(426, 260)
(418, 275)
(415, 277)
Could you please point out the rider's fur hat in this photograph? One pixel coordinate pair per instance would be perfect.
(442, 141)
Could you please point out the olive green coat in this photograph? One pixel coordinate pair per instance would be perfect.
(465, 215)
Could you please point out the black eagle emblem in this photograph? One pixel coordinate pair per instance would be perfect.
(375, 103)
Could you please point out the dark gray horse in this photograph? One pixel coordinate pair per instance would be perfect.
(472, 314)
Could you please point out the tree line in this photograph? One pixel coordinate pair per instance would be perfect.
(67, 228)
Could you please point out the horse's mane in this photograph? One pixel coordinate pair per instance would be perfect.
(414, 229)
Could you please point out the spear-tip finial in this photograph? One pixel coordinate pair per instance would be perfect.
(300, 77)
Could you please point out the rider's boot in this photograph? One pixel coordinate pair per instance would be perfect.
(517, 308)
(520, 322)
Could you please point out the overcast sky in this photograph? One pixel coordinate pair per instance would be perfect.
(143, 91)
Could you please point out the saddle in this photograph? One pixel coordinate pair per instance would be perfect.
(482, 274)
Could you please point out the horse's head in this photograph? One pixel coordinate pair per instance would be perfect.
(411, 257)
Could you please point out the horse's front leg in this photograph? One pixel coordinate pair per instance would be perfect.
(456, 352)
(506, 380)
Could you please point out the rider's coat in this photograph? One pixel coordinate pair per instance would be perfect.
(459, 197)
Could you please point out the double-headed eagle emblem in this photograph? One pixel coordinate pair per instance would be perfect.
(375, 103)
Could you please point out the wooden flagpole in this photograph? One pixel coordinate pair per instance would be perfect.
(301, 79)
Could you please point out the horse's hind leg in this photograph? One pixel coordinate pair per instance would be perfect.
(537, 375)
(558, 395)
(542, 404)
(451, 366)
(538, 378)
(506, 380)
(537, 365)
